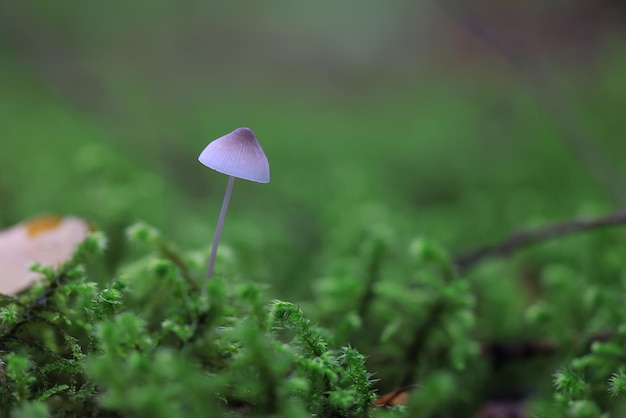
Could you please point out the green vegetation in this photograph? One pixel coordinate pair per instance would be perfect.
(338, 281)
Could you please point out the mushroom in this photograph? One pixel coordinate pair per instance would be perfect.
(237, 154)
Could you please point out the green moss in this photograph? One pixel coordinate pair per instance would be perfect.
(335, 283)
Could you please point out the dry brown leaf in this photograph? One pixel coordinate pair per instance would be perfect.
(399, 396)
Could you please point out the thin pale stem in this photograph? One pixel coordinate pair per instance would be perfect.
(220, 224)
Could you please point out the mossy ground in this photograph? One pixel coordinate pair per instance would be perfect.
(335, 282)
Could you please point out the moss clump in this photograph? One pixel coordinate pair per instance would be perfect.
(149, 344)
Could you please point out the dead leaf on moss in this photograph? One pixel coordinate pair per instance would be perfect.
(47, 240)
(399, 396)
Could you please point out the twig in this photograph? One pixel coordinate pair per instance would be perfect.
(500, 353)
(373, 275)
(417, 346)
(28, 315)
(519, 240)
(168, 252)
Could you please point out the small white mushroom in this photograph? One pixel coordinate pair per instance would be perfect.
(237, 154)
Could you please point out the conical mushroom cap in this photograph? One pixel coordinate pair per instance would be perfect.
(237, 154)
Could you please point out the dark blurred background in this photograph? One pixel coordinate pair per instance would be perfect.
(456, 120)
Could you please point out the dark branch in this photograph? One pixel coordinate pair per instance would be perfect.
(172, 255)
(420, 338)
(373, 275)
(524, 239)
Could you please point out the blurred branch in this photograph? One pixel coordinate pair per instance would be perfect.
(604, 172)
(169, 253)
(373, 275)
(420, 338)
(501, 353)
(526, 238)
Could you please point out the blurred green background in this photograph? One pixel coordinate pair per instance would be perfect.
(453, 121)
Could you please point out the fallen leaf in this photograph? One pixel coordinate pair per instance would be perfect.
(47, 240)
(399, 396)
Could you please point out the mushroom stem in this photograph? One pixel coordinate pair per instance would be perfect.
(220, 224)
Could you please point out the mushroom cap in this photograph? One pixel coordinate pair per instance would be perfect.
(237, 154)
